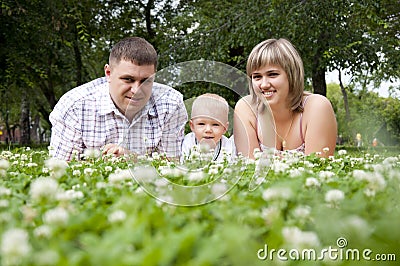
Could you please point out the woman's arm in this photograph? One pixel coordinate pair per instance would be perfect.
(245, 128)
(320, 126)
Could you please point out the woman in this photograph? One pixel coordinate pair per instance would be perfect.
(278, 113)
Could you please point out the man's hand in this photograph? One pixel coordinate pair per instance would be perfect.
(115, 150)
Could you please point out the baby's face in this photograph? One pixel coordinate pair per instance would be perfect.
(207, 130)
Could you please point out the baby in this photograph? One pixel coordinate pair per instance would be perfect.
(208, 123)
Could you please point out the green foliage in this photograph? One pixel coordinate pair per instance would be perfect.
(92, 212)
(49, 47)
(370, 115)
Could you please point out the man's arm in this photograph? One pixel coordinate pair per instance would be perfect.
(174, 132)
(66, 135)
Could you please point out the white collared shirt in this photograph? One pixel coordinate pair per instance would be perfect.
(86, 118)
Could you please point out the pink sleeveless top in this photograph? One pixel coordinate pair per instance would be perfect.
(302, 147)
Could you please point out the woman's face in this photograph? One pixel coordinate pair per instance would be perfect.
(271, 82)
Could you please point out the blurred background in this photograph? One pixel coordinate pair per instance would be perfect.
(350, 51)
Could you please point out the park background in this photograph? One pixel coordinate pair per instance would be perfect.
(49, 47)
(92, 212)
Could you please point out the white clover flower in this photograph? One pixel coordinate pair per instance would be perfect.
(117, 216)
(161, 183)
(108, 168)
(56, 216)
(334, 196)
(342, 152)
(376, 183)
(302, 212)
(312, 182)
(277, 193)
(5, 191)
(213, 170)
(296, 238)
(155, 156)
(296, 172)
(56, 166)
(145, 174)
(257, 153)
(390, 160)
(31, 165)
(76, 172)
(24, 157)
(171, 172)
(120, 175)
(14, 246)
(357, 225)
(89, 171)
(92, 153)
(139, 190)
(227, 171)
(46, 258)
(28, 213)
(325, 150)
(263, 164)
(270, 214)
(100, 185)
(218, 189)
(326, 176)
(43, 231)
(5, 217)
(360, 175)
(43, 188)
(6, 154)
(279, 166)
(196, 176)
(379, 167)
(4, 203)
(4, 164)
(69, 195)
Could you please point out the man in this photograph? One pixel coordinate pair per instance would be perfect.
(123, 112)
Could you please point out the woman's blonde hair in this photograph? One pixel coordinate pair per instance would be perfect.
(282, 53)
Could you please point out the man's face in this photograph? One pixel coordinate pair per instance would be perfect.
(130, 85)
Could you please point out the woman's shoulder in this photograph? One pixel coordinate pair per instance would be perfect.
(317, 106)
(316, 100)
(245, 99)
(245, 103)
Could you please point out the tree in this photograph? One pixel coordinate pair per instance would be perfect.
(357, 36)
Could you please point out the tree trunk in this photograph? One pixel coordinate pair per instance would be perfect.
(318, 68)
(8, 139)
(318, 80)
(78, 60)
(35, 129)
(345, 100)
(150, 31)
(25, 120)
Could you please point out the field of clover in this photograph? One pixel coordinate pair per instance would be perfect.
(304, 210)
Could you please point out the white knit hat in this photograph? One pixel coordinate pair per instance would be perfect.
(211, 106)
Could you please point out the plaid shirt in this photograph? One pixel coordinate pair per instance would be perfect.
(86, 118)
